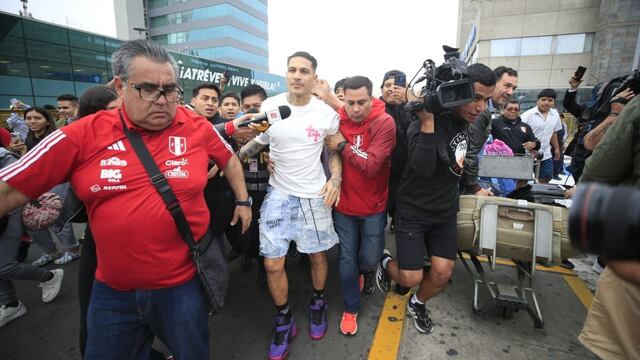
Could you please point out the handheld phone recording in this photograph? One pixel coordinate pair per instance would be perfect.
(400, 80)
(579, 73)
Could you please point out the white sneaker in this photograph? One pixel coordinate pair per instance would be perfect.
(9, 313)
(51, 288)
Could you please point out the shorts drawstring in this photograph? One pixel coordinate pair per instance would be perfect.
(314, 220)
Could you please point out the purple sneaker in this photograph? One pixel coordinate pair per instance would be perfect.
(282, 337)
(318, 325)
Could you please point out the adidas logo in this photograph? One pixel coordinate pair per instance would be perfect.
(118, 145)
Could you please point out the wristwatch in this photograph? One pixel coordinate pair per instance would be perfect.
(247, 202)
(341, 146)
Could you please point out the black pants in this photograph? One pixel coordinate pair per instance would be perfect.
(86, 276)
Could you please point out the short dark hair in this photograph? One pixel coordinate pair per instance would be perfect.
(230, 94)
(211, 86)
(68, 97)
(253, 89)
(356, 82)
(339, 84)
(95, 99)
(501, 70)
(482, 74)
(306, 55)
(547, 93)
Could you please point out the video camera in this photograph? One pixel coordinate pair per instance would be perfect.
(447, 85)
(600, 106)
(605, 220)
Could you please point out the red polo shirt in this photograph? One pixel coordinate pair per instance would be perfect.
(138, 244)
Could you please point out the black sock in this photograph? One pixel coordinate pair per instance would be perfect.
(318, 294)
(49, 276)
(283, 309)
(14, 303)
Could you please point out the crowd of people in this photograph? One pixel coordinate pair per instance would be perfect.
(336, 171)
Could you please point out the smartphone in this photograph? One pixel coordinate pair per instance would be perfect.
(226, 75)
(400, 80)
(579, 73)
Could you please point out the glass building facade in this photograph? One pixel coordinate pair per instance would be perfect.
(233, 31)
(40, 61)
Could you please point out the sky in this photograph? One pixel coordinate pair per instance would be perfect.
(347, 37)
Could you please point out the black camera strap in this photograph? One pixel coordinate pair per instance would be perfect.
(159, 181)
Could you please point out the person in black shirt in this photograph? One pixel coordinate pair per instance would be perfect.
(510, 129)
(427, 198)
(395, 97)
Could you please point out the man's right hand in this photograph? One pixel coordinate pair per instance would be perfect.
(483, 192)
(427, 121)
(574, 83)
(529, 145)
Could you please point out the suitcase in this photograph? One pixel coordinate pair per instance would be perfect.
(506, 227)
(540, 193)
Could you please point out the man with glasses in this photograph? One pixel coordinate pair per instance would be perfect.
(145, 281)
(510, 129)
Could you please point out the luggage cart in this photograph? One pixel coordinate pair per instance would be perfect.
(506, 299)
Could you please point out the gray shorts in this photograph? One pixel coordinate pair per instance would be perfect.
(285, 218)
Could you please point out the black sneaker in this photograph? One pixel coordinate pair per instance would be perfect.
(402, 290)
(567, 264)
(421, 319)
(382, 278)
(369, 282)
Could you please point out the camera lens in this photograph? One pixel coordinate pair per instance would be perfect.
(449, 95)
(606, 220)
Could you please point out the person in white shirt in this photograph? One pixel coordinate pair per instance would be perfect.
(545, 121)
(299, 199)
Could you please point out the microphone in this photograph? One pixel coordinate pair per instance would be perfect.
(268, 118)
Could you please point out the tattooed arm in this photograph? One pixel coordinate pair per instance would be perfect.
(331, 190)
(250, 149)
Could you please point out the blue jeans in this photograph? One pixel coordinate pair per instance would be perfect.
(361, 246)
(121, 324)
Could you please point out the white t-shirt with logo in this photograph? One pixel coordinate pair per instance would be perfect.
(295, 145)
(543, 129)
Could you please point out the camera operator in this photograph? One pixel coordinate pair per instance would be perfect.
(611, 329)
(427, 198)
(594, 117)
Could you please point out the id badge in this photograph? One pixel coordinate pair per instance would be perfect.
(253, 165)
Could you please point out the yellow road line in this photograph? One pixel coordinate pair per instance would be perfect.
(386, 340)
(581, 290)
(553, 269)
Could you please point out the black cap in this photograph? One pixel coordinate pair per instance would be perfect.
(391, 74)
(547, 93)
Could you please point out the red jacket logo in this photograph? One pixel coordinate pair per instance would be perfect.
(177, 145)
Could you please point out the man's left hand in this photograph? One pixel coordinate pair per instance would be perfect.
(332, 141)
(244, 214)
(331, 192)
(557, 154)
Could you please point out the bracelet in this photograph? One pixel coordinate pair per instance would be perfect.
(614, 114)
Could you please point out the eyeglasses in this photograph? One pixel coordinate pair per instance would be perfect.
(172, 93)
(513, 109)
